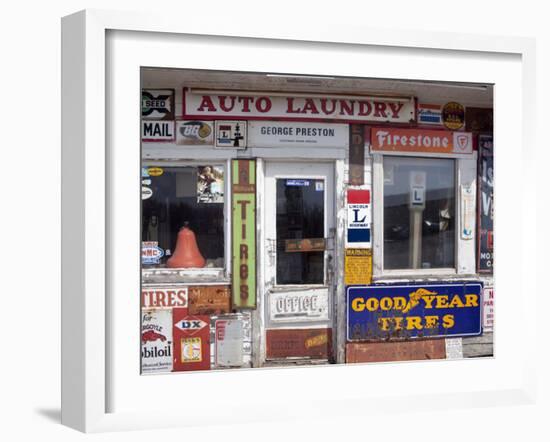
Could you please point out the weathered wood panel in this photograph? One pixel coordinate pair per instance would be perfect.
(479, 346)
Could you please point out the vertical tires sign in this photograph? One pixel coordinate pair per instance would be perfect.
(243, 210)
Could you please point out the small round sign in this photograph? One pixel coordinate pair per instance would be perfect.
(453, 115)
(146, 193)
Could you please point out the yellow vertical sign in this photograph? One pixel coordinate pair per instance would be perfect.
(358, 267)
(243, 207)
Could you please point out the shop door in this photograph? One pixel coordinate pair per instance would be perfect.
(299, 231)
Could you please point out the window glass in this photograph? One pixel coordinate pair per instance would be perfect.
(300, 215)
(174, 197)
(419, 213)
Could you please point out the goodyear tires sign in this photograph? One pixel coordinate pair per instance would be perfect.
(413, 311)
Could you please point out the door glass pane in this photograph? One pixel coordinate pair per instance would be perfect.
(300, 215)
(419, 213)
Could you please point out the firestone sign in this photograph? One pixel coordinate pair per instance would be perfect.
(420, 141)
(216, 105)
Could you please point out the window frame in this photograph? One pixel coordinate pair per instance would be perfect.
(465, 250)
(211, 274)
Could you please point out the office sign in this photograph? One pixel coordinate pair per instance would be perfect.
(157, 104)
(413, 311)
(213, 105)
(485, 204)
(403, 140)
(293, 134)
(299, 306)
(243, 209)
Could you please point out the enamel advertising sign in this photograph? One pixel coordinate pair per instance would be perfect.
(213, 105)
(359, 218)
(152, 130)
(413, 311)
(157, 104)
(156, 341)
(194, 133)
(243, 209)
(294, 306)
(191, 341)
(485, 202)
(164, 297)
(402, 140)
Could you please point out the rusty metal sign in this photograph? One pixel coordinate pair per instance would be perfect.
(395, 351)
(358, 266)
(299, 306)
(209, 299)
(356, 154)
(299, 343)
(306, 245)
(229, 342)
(156, 341)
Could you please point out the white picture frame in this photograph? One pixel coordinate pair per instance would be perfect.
(100, 385)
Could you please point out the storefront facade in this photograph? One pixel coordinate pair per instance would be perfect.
(290, 223)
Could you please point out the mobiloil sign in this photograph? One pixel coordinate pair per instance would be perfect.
(413, 311)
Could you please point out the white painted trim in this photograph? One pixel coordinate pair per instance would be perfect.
(465, 250)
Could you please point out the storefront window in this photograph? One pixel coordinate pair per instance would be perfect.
(300, 216)
(178, 197)
(419, 213)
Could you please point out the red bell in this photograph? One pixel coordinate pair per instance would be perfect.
(187, 253)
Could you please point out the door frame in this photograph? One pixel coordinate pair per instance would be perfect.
(337, 306)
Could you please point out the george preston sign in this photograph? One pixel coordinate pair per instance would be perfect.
(215, 105)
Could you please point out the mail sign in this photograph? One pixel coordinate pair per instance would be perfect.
(413, 311)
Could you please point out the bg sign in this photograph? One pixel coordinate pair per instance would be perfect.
(413, 311)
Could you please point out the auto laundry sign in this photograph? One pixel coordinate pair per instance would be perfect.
(293, 134)
(420, 141)
(250, 106)
(413, 311)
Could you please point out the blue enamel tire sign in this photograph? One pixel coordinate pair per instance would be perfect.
(413, 311)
